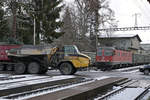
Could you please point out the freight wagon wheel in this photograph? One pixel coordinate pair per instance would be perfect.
(20, 68)
(66, 69)
(146, 71)
(33, 68)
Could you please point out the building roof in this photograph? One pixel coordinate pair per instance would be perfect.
(145, 46)
(121, 36)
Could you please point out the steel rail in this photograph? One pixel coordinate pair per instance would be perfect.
(23, 81)
(126, 28)
(143, 93)
(114, 92)
(28, 93)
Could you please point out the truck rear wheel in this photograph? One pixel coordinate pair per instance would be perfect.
(20, 68)
(2, 67)
(33, 68)
(9, 67)
(66, 69)
(44, 70)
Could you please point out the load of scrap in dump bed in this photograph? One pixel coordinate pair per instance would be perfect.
(30, 50)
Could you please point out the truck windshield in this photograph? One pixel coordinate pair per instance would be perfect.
(71, 49)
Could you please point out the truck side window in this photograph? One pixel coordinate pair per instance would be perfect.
(69, 50)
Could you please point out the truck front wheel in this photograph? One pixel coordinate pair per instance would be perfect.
(33, 68)
(20, 68)
(66, 69)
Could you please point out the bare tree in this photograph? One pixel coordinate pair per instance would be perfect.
(87, 17)
(70, 33)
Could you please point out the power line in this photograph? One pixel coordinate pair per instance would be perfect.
(126, 28)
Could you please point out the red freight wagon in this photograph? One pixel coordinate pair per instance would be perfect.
(109, 57)
(4, 60)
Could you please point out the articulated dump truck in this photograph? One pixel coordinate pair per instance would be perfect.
(36, 59)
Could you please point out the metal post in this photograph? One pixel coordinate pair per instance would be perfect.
(34, 31)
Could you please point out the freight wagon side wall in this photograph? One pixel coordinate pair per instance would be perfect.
(140, 59)
(3, 54)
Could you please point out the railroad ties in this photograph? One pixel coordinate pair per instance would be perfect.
(70, 87)
(54, 87)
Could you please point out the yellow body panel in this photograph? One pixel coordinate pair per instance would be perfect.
(79, 61)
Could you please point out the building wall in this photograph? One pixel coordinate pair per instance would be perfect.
(121, 43)
(146, 48)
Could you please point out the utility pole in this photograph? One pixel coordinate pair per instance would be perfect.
(136, 19)
(34, 32)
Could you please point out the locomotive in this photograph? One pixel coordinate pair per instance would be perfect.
(110, 58)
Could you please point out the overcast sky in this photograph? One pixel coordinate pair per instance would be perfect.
(124, 14)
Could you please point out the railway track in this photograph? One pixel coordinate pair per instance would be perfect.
(111, 95)
(114, 92)
(45, 90)
(140, 96)
(11, 80)
(21, 87)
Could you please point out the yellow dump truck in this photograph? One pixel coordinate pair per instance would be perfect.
(36, 59)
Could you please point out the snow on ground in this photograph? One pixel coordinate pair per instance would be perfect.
(134, 71)
(130, 68)
(4, 75)
(19, 84)
(22, 79)
(127, 94)
(101, 78)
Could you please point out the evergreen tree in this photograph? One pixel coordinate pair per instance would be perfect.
(46, 13)
(3, 24)
(13, 9)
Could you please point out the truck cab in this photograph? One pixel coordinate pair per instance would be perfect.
(68, 59)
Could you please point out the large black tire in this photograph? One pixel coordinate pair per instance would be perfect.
(74, 70)
(9, 67)
(33, 68)
(20, 68)
(2, 67)
(43, 70)
(146, 72)
(66, 69)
